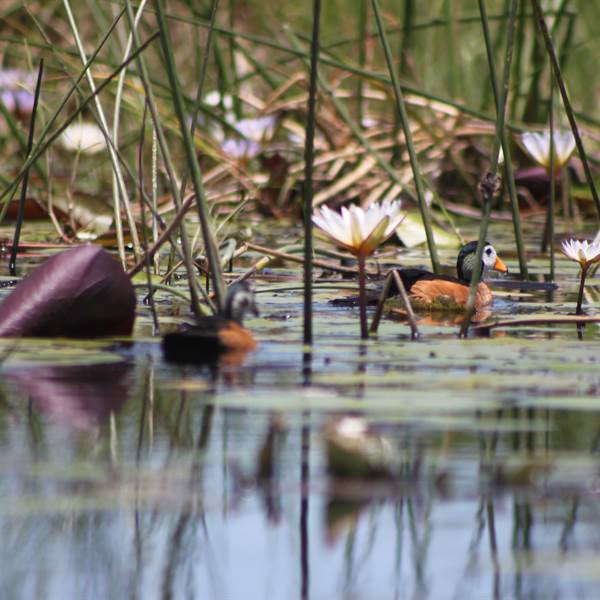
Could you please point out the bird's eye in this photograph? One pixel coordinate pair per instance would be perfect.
(488, 251)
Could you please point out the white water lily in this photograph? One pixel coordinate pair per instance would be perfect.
(360, 231)
(86, 138)
(584, 252)
(586, 255)
(537, 146)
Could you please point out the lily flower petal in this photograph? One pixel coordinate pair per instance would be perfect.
(537, 145)
(360, 231)
(583, 252)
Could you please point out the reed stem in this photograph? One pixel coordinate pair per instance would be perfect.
(201, 80)
(414, 330)
(121, 194)
(501, 99)
(210, 243)
(414, 164)
(308, 173)
(166, 155)
(362, 56)
(382, 298)
(489, 186)
(490, 182)
(552, 201)
(147, 259)
(12, 264)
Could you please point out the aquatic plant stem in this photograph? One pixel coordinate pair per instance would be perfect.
(414, 330)
(362, 54)
(12, 264)
(119, 98)
(193, 285)
(414, 163)
(309, 146)
(210, 243)
(362, 297)
(502, 107)
(393, 276)
(201, 80)
(382, 298)
(148, 260)
(500, 99)
(490, 183)
(552, 201)
(584, 270)
(122, 194)
(566, 102)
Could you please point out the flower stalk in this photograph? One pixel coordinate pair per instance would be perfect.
(584, 270)
(586, 255)
(362, 297)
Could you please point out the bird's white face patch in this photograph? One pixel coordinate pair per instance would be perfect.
(489, 257)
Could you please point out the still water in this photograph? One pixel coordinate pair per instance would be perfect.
(124, 477)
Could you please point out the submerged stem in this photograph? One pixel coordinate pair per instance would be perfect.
(362, 297)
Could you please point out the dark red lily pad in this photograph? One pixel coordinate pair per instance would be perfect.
(82, 292)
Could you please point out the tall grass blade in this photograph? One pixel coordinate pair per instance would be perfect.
(12, 264)
(490, 182)
(309, 146)
(362, 16)
(172, 179)
(401, 109)
(122, 195)
(552, 201)
(210, 243)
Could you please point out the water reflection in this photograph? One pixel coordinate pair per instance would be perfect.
(81, 397)
(186, 491)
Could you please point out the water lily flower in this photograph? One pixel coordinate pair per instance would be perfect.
(86, 138)
(537, 146)
(16, 91)
(360, 232)
(255, 132)
(585, 254)
(582, 252)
